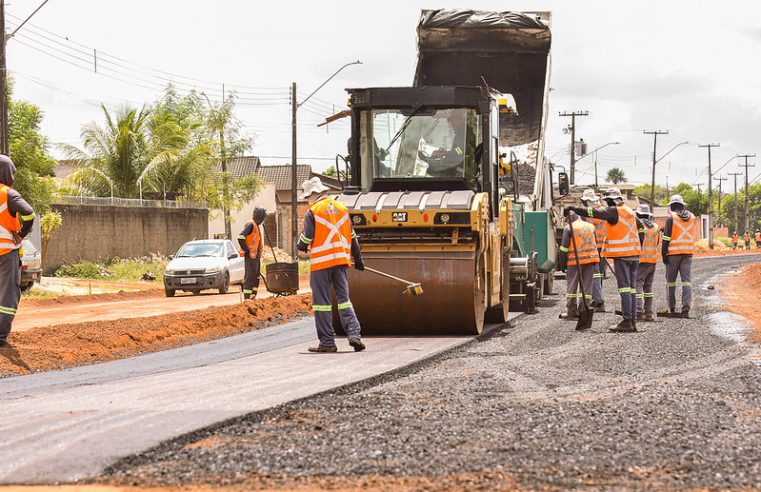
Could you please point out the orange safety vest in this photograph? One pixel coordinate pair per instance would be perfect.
(735, 238)
(622, 239)
(331, 245)
(253, 240)
(758, 237)
(683, 235)
(586, 246)
(651, 245)
(8, 224)
(746, 237)
(599, 229)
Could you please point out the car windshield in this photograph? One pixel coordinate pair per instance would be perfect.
(420, 143)
(193, 250)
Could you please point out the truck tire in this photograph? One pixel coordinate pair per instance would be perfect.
(225, 287)
(169, 292)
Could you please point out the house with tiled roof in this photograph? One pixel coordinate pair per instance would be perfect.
(275, 196)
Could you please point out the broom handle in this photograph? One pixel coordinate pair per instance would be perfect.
(384, 274)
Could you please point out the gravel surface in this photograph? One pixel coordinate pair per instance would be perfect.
(534, 404)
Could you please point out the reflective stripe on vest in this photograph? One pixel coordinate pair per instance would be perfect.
(600, 233)
(683, 235)
(8, 224)
(651, 246)
(331, 245)
(586, 245)
(622, 239)
(253, 240)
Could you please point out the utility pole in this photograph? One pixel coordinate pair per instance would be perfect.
(294, 178)
(734, 222)
(655, 134)
(573, 116)
(3, 85)
(710, 193)
(746, 166)
(720, 179)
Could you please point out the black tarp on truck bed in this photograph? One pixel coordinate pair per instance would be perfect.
(510, 50)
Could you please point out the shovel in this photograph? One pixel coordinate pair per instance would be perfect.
(414, 289)
(586, 313)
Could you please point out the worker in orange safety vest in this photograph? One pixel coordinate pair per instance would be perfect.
(648, 259)
(332, 245)
(250, 242)
(678, 246)
(579, 263)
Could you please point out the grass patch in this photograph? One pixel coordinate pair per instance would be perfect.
(34, 294)
(116, 269)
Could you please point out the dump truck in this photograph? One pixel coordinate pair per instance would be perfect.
(448, 184)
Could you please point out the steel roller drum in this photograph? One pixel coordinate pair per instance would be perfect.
(450, 304)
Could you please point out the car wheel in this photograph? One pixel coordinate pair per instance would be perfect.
(195, 292)
(26, 286)
(225, 288)
(169, 292)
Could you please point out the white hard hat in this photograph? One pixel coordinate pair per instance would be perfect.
(312, 186)
(613, 193)
(644, 209)
(589, 195)
(677, 199)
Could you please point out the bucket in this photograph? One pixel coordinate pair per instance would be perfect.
(282, 278)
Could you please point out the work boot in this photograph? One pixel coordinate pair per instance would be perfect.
(570, 315)
(685, 313)
(625, 326)
(640, 316)
(357, 344)
(3, 343)
(324, 348)
(600, 308)
(648, 317)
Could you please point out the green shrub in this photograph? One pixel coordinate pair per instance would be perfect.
(81, 269)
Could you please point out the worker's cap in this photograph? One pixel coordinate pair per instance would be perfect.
(589, 195)
(644, 210)
(259, 214)
(676, 199)
(613, 194)
(312, 186)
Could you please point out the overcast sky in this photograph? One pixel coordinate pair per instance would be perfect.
(689, 67)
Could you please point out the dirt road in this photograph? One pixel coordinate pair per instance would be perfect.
(36, 314)
(538, 405)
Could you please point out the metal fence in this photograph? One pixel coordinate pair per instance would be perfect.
(124, 202)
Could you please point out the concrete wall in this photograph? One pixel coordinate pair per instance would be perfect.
(265, 198)
(95, 232)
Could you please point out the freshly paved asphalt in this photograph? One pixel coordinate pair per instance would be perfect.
(64, 426)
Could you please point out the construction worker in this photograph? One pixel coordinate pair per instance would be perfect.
(735, 240)
(332, 245)
(678, 246)
(648, 259)
(581, 268)
(758, 239)
(251, 245)
(16, 219)
(622, 243)
(746, 239)
(590, 199)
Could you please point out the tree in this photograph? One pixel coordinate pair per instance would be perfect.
(114, 155)
(28, 150)
(49, 222)
(661, 193)
(616, 175)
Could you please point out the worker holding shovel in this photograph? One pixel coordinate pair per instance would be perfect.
(578, 250)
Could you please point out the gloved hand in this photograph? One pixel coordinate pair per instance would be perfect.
(567, 210)
(359, 264)
(302, 247)
(17, 238)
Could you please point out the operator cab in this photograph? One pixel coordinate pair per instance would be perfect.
(424, 139)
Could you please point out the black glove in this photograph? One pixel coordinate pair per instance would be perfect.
(302, 247)
(359, 264)
(567, 210)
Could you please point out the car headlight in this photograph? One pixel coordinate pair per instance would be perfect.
(169, 272)
(214, 269)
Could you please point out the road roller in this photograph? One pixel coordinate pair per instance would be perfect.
(434, 183)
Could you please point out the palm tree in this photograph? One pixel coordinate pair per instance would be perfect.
(114, 155)
(616, 175)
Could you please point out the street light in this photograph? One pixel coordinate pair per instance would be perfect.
(595, 153)
(294, 184)
(652, 185)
